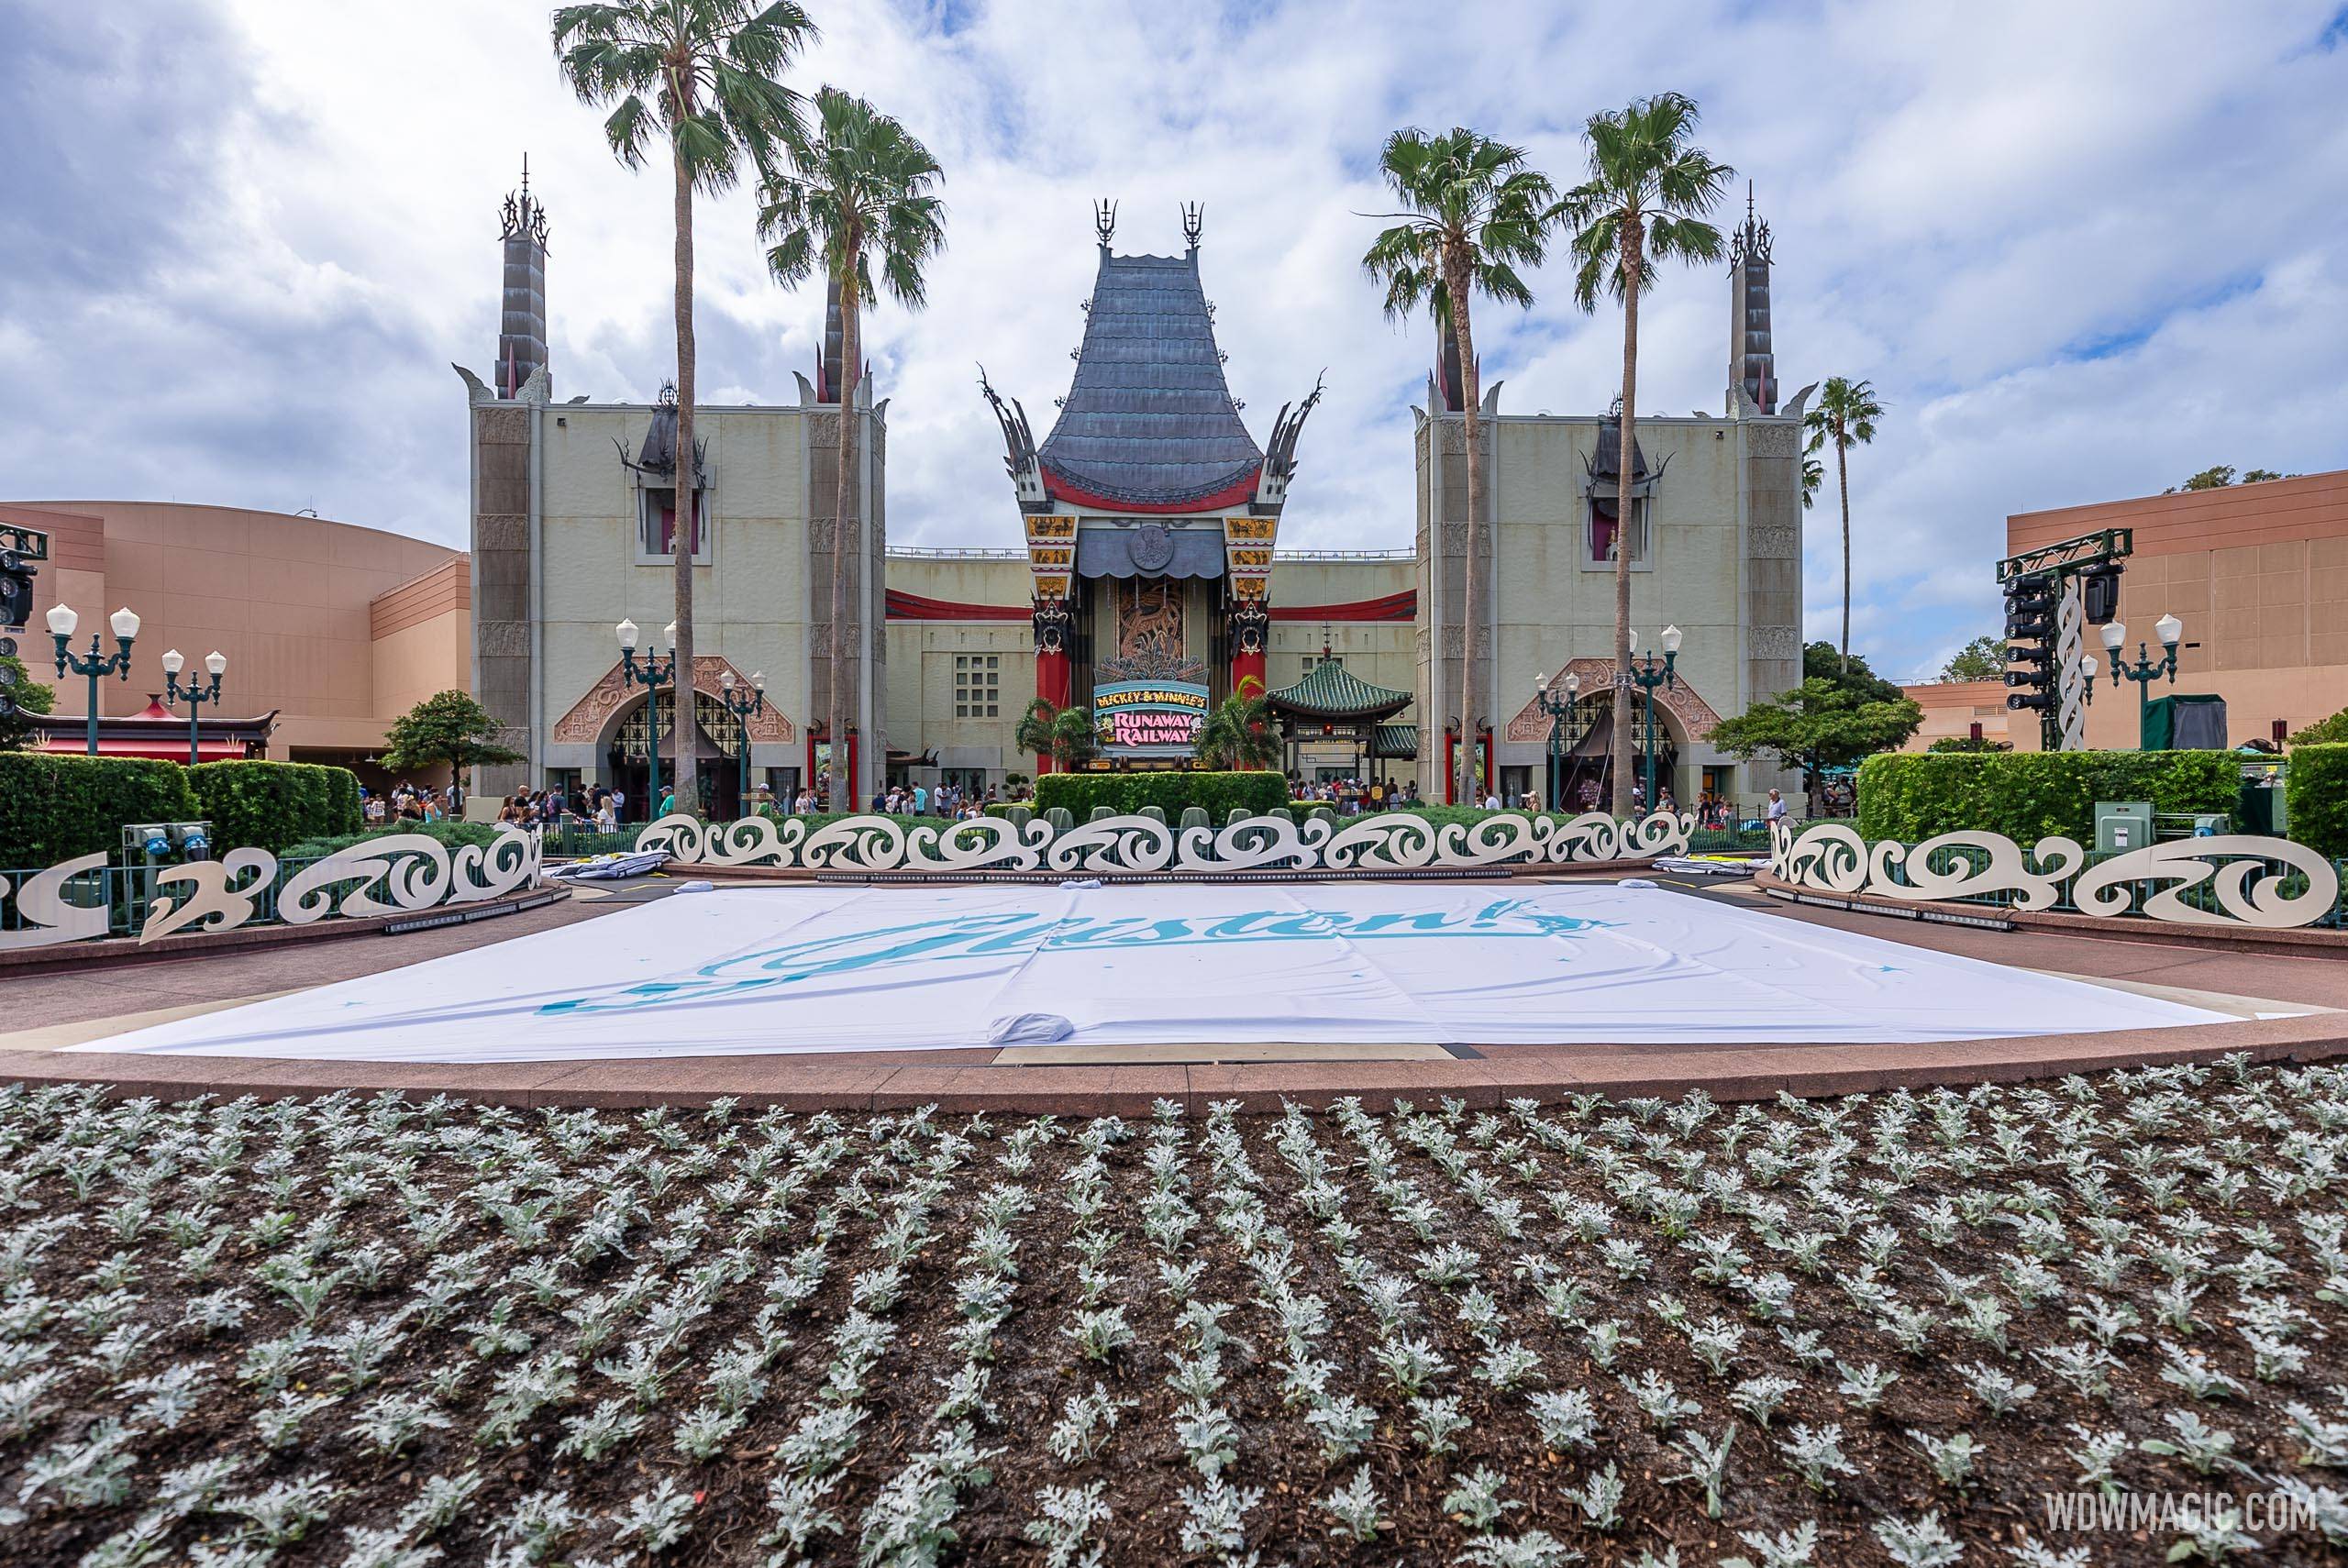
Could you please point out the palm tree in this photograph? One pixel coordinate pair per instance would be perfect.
(860, 184)
(1076, 738)
(1065, 736)
(1844, 416)
(1473, 214)
(1813, 474)
(705, 74)
(1238, 734)
(1643, 203)
(1033, 731)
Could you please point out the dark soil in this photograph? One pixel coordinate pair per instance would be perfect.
(2230, 1180)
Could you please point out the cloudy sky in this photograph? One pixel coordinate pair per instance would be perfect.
(2081, 250)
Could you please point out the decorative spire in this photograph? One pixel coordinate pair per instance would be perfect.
(1194, 222)
(1104, 220)
(525, 214)
(1751, 243)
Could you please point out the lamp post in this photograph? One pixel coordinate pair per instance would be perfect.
(1648, 677)
(1562, 711)
(651, 672)
(96, 665)
(196, 694)
(2145, 670)
(742, 707)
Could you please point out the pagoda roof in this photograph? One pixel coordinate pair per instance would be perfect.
(1331, 691)
(1148, 423)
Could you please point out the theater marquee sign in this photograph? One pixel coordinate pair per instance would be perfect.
(1150, 718)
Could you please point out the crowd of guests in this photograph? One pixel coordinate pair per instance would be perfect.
(604, 808)
(406, 803)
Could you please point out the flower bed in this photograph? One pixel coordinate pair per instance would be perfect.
(1871, 1331)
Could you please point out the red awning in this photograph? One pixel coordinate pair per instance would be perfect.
(159, 749)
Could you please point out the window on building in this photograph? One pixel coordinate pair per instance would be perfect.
(657, 523)
(1603, 533)
(978, 686)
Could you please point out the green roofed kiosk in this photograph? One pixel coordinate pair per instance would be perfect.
(1333, 703)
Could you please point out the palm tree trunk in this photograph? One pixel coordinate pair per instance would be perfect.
(843, 531)
(687, 497)
(1633, 239)
(1456, 283)
(1843, 484)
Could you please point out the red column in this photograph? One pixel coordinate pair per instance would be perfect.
(1053, 626)
(1052, 686)
(1247, 667)
(1250, 634)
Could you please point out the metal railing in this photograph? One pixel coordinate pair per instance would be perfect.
(127, 893)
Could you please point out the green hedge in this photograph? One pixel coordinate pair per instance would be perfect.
(274, 805)
(2315, 798)
(1124, 793)
(449, 835)
(2028, 795)
(55, 807)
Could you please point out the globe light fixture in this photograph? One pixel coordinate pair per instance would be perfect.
(195, 694)
(96, 663)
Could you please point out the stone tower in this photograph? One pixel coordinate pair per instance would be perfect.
(1750, 362)
(521, 321)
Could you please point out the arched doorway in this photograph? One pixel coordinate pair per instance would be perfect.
(717, 752)
(1583, 780)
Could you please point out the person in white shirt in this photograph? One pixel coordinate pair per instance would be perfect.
(1492, 802)
(1775, 811)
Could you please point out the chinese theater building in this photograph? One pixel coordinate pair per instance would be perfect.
(1150, 514)
(1144, 580)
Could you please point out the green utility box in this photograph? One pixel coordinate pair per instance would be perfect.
(2123, 825)
(2262, 809)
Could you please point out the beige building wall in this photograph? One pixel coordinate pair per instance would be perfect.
(422, 637)
(2259, 574)
(1953, 707)
(1723, 565)
(559, 519)
(288, 599)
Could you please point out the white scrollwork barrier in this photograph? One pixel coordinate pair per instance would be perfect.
(414, 871)
(1831, 857)
(1384, 842)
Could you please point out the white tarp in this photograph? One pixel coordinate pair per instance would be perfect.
(790, 970)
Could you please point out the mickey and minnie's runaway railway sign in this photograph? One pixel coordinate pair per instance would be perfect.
(1150, 718)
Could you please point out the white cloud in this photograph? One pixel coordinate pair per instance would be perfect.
(2081, 250)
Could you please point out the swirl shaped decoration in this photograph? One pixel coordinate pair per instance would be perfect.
(1656, 834)
(1494, 840)
(1829, 856)
(44, 918)
(512, 860)
(2000, 868)
(1257, 844)
(2103, 889)
(1401, 841)
(981, 844)
(681, 836)
(412, 868)
(862, 843)
(220, 895)
(1113, 844)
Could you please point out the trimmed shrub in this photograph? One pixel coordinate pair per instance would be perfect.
(2030, 795)
(56, 807)
(2315, 798)
(272, 805)
(448, 834)
(1127, 793)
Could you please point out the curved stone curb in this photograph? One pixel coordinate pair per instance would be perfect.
(2300, 941)
(960, 1081)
